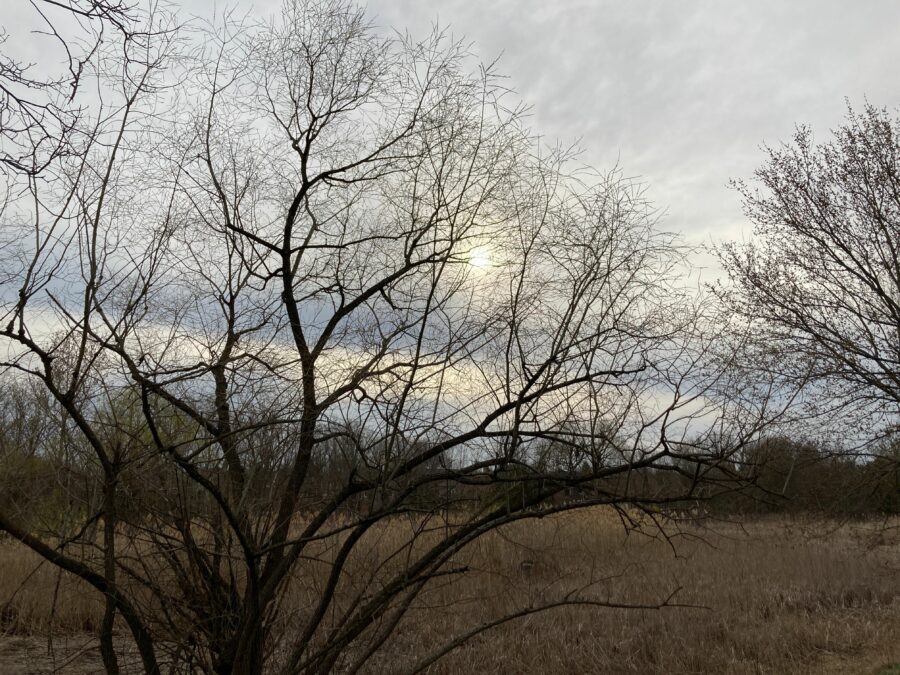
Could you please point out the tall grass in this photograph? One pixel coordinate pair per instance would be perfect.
(774, 595)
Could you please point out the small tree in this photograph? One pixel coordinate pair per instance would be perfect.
(301, 283)
(819, 284)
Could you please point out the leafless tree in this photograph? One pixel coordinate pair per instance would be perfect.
(819, 283)
(303, 282)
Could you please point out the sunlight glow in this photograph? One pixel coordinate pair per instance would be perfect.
(480, 257)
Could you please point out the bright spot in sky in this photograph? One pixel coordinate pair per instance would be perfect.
(480, 257)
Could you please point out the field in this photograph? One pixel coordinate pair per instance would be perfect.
(772, 595)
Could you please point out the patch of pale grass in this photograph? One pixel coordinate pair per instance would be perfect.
(35, 596)
(771, 596)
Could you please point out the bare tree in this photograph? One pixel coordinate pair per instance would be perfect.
(820, 281)
(304, 282)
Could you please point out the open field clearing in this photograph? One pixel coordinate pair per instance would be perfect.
(772, 596)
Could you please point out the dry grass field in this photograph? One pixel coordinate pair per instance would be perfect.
(774, 595)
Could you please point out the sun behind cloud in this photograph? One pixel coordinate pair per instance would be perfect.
(480, 257)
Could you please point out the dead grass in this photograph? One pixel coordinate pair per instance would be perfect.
(771, 596)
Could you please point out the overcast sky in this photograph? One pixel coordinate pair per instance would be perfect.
(681, 94)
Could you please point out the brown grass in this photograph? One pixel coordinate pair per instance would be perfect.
(777, 596)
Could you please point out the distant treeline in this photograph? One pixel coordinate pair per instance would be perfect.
(46, 481)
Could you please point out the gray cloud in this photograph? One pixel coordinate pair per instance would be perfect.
(683, 93)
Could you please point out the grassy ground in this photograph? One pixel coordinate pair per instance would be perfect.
(771, 596)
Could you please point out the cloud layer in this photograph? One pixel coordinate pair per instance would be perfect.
(682, 94)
